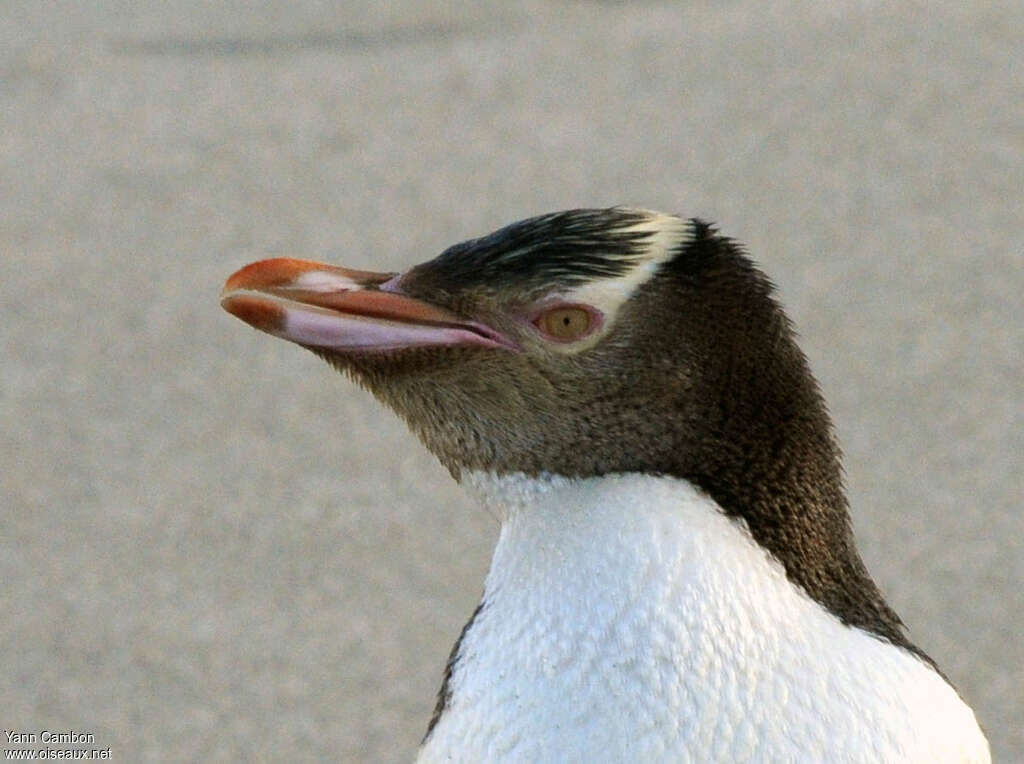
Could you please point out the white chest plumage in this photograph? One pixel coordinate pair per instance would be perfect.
(625, 618)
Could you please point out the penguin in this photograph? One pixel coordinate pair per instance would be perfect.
(676, 577)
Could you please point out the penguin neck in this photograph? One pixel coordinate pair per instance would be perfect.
(607, 536)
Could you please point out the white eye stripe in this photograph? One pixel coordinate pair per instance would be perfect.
(609, 294)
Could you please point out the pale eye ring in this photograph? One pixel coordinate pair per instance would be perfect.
(567, 323)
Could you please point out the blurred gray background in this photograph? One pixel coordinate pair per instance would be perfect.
(212, 546)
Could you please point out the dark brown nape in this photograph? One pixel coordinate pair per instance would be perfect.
(770, 456)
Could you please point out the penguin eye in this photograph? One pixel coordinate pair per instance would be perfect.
(566, 322)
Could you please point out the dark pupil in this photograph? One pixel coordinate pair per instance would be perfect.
(565, 320)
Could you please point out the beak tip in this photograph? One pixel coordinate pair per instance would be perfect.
(265, 273)
(262, 314)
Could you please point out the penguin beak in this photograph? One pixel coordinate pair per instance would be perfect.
(324, 306)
